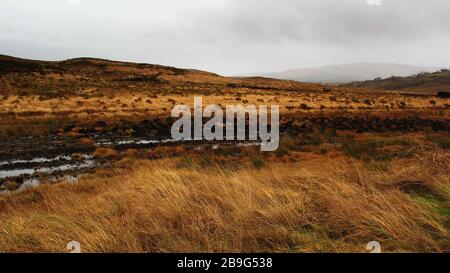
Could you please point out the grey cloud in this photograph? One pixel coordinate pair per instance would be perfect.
(322, 20)
(230, 36)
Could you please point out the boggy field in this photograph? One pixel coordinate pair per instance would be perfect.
(86, 155)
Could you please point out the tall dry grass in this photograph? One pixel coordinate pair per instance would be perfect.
(195, 205)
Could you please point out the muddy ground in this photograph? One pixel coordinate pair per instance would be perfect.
(65, 154)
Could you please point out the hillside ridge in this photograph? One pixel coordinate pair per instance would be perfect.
(422, 83)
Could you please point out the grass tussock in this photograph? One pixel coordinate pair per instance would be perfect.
(190, 205)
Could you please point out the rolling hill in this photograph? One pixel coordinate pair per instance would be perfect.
(50, 79)
(423, 83)
(346, 73)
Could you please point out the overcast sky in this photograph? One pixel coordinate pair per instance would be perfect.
(229, 37)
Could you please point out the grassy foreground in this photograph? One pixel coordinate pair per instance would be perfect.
(328, 204)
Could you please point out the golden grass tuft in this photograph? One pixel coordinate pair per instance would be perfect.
(102, 153)
(190, 205)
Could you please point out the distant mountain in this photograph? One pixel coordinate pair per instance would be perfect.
(347, 73)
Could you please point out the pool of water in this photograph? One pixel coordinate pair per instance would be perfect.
(47, 170)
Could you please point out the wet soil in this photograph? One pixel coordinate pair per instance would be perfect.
(27, 159)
